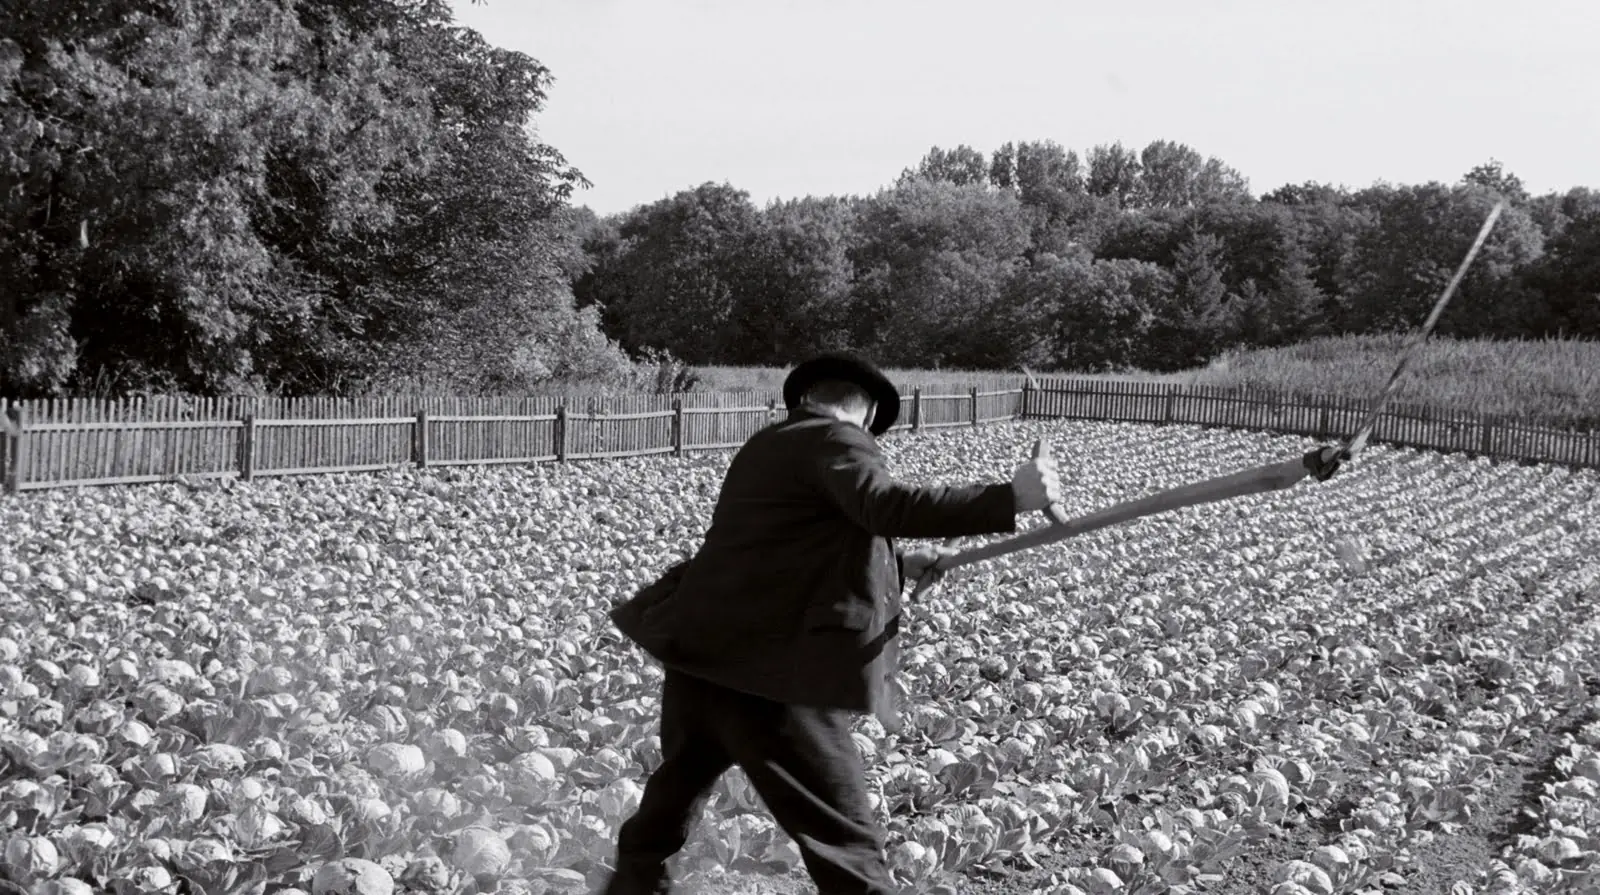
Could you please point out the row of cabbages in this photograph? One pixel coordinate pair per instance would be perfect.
(1562, 854)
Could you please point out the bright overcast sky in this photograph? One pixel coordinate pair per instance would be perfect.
(785, 98)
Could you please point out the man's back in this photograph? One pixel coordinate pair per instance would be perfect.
(797, 586)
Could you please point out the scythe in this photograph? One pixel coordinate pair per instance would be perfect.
(1270, 477)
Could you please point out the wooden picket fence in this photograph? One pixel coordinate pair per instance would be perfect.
(54, 444)
(1409, 425)
(66, 443)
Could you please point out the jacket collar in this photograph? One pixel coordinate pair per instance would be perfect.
(803, 413)
(800, 414)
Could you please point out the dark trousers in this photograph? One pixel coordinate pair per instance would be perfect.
(800, 760)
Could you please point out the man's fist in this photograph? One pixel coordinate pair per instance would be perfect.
(924, 560)
(1035, 484)
(1323, 462)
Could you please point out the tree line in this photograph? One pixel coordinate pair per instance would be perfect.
(1156, 258)
(327, 197)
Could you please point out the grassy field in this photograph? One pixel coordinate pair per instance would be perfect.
(1551, 382)
(1555, 382)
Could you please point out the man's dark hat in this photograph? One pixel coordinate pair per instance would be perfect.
(848, 367)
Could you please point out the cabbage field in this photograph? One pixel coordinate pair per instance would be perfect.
(406, 682)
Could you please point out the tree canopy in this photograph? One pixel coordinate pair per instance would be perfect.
(294, 196)
(1156, 257)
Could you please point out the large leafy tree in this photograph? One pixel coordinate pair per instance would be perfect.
(1567, 278)
(1114, 174)
(1170, 174)
(1420, 235)
(1049, 180)
(962, 166)
(674, 274)
(217, 197)
(1494, 176)
(140, 139)
(707, 277)
(472, 274)
(931, 267)
(796, 296)
(1096, 315)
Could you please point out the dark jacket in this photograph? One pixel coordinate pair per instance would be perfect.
(795, 593)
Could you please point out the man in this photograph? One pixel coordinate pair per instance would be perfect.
(780, 630)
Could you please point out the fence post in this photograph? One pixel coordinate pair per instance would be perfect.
(677, 427)
(561, 432)
(1169, 409)
(974, 406)
(419, 440)
(1486, 444)
(1027, 392)
(916, 408)
(1324, 421)
(247, 448)
(18, 455)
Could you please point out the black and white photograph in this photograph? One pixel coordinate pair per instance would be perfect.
(799, 447)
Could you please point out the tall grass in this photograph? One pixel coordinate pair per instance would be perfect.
(1547, 382)
(771, 378)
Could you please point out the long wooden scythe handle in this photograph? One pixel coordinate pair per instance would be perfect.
(1271, 477)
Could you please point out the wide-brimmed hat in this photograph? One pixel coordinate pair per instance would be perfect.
(843, 365)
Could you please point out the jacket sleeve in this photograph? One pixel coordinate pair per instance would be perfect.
(854, 477)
